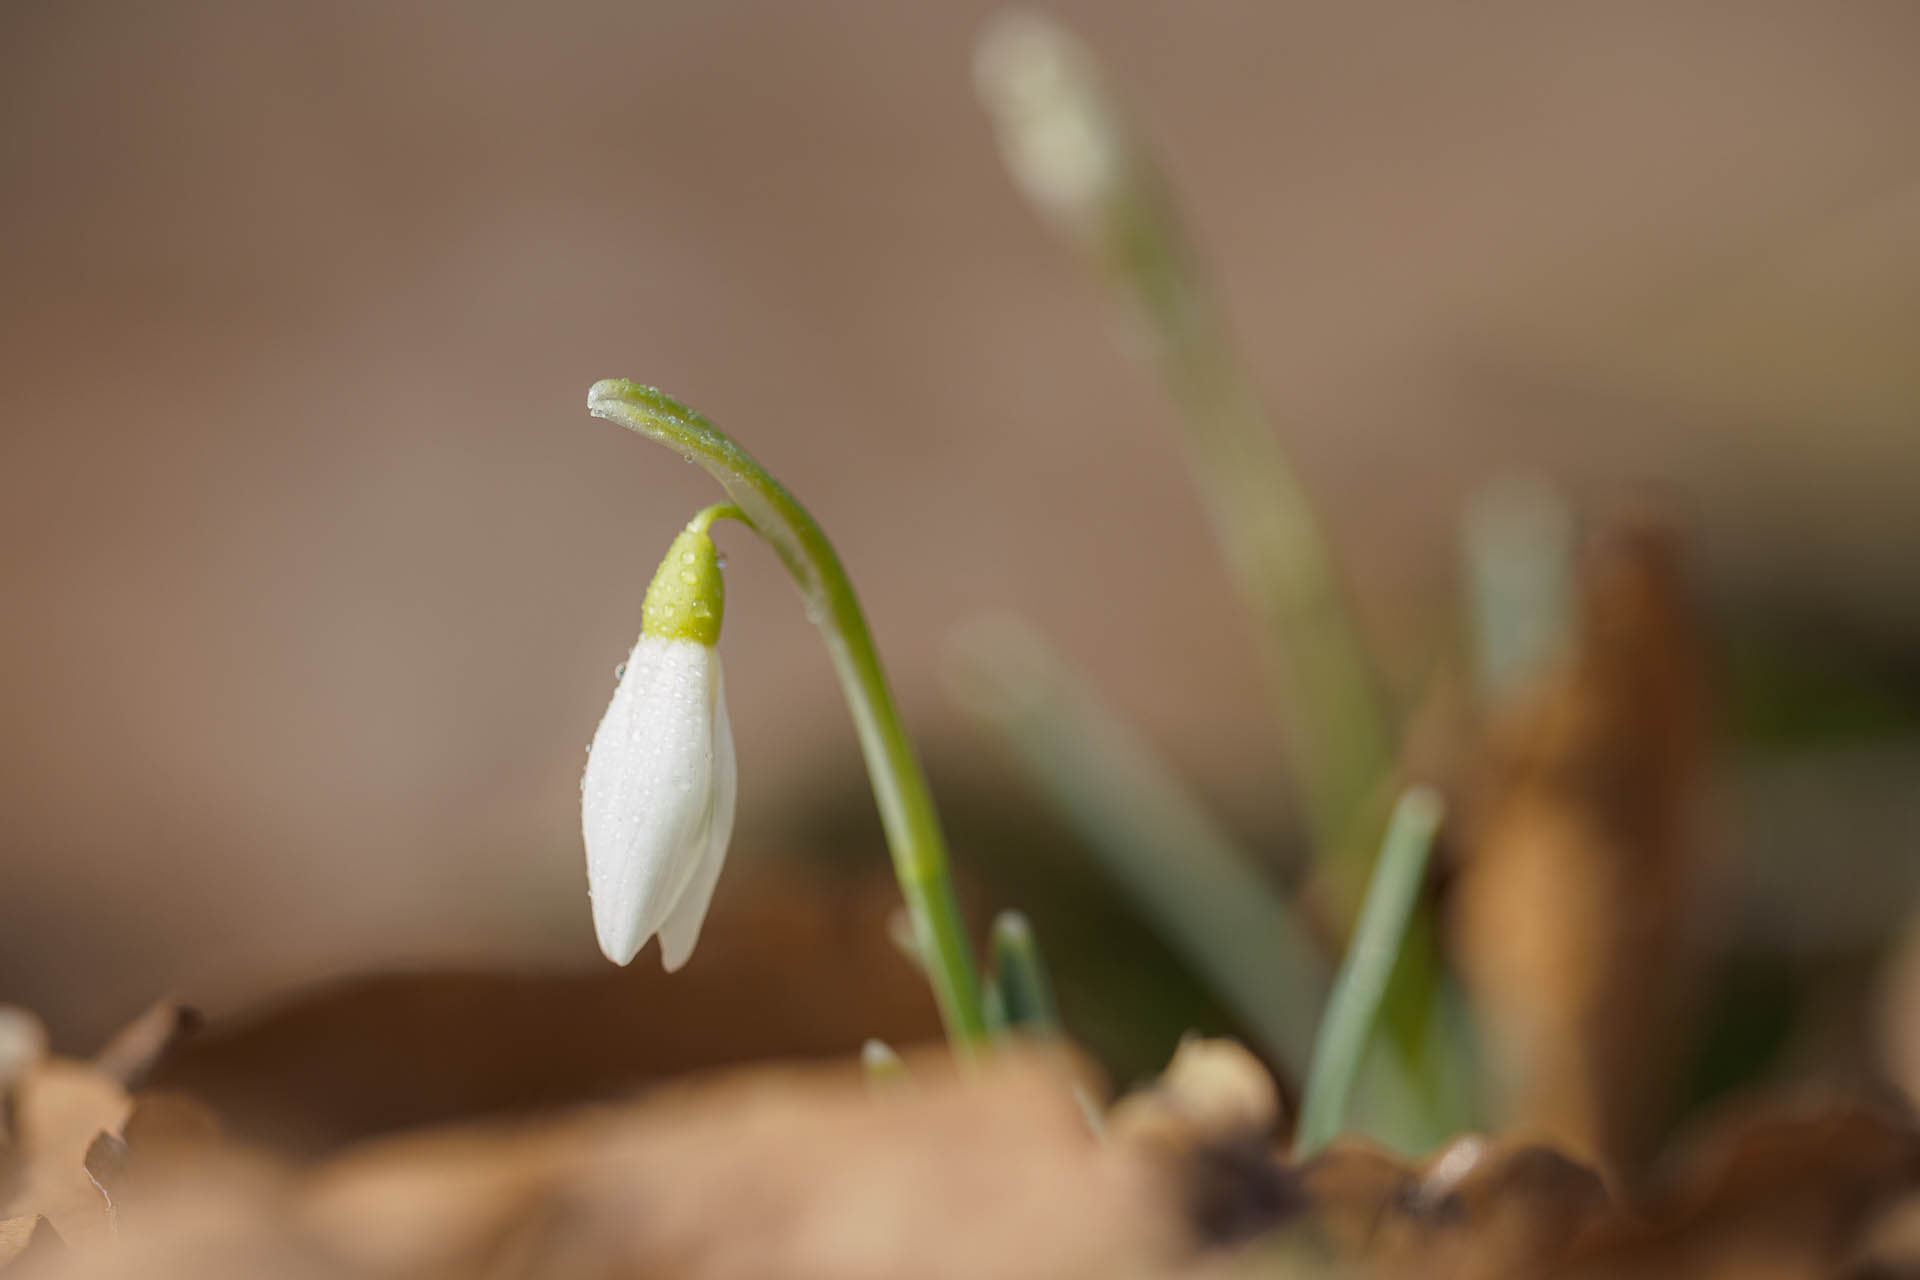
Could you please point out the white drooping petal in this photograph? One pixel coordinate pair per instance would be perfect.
(647, 799)
(681, 929)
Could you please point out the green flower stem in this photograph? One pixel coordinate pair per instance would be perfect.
(703, 518)
(1321, 682)
(1071, 150)
(899, 786)
(1361, 985)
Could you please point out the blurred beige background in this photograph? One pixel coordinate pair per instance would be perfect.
(316, 572)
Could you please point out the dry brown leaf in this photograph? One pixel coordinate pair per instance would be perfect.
(1477, 1210)
(137, 1048)
(165, 1125)
(772, 1173)
(1578, 915)
(1788, 1190)
(60, 1107)
(803, 1173)
(789, 969)
(1351, 1185)
(996, 1177)
(28, 1244)
(23, 1046)
(107, 1168)
(419, 1201)
(65, 1146)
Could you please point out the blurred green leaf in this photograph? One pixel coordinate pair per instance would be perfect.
(1150, 833)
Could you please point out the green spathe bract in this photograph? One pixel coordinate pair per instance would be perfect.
(688, 595)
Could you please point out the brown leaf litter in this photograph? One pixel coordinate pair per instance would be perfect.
(992, 1170)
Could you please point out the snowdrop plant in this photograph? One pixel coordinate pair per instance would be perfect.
(657, 800)
(1074, 153)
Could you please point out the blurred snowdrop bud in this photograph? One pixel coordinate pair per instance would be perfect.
(1060, 138)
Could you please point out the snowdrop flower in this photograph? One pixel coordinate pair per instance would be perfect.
(639, 844)
(656, 803)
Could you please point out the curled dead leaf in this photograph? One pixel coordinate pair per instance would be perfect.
(1580, 908)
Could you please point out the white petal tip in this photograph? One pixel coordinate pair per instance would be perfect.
(619, 945)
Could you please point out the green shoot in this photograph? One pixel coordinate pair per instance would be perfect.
(1020, 978)
(1361, 985)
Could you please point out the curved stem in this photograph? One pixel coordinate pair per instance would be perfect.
(899, 786)
(703, 519)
